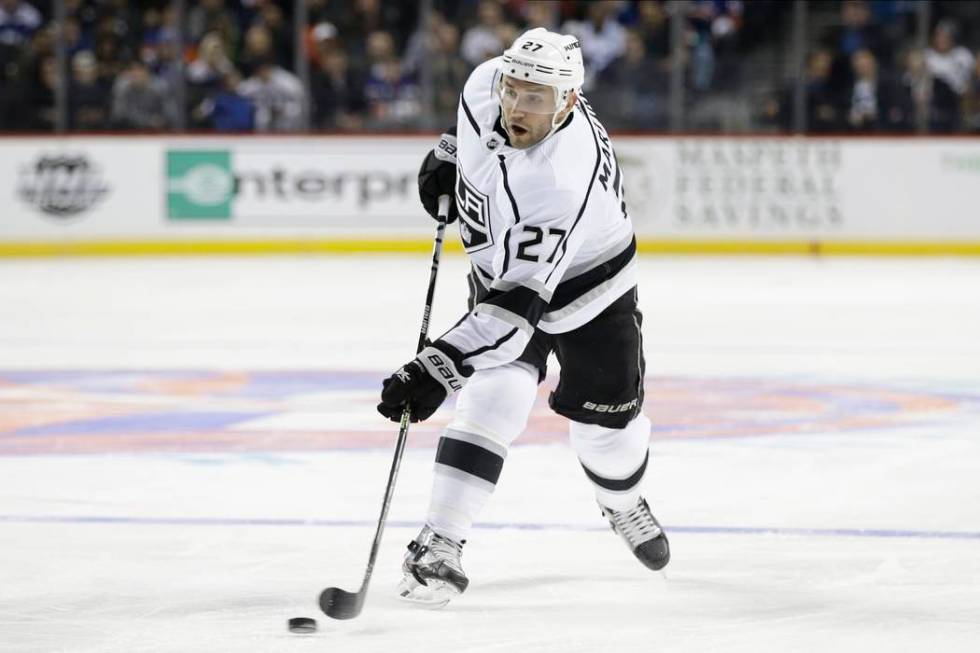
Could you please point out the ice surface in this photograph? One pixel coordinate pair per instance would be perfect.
(189, 453)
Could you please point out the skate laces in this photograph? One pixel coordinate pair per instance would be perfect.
(448, 550)
(636, 525)
(440, 548)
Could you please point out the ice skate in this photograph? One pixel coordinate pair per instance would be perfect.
(642, 533)
(433, 571)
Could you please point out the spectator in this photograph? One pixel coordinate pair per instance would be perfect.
(111, 58)
(258, 49)
(876, 102)
(74, 37)
(542, 13)
(973, 112)
(18, 23)
(482, 41)
(916, 82)
(88, 97)
(207, 76)
(277, 95)
(368, 16)
(449, 72)
(320, 38)
(211, 64)
(714, 25)
(950, 66)
(392, 96)
(421, 44)
(212, 16)
(227, 110)
(603, 39)
(271, 17)
(167, 65)
(338, 92)
(632, 90)
(141, 101)
(653, 26)
(856, 31)
(38, 112)
(824, 107)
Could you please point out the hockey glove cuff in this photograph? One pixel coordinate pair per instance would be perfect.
(424, 383)
(437, 176)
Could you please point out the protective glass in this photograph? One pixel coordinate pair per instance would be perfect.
(537, 99)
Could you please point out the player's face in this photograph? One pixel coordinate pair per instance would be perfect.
(528, 110)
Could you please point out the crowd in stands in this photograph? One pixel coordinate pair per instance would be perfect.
(386, 64)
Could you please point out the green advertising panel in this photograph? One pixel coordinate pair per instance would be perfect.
(200, 185)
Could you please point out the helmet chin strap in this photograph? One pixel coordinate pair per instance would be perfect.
(555, 121)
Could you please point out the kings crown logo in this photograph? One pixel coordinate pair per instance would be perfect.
(62, 186)
(473, 207)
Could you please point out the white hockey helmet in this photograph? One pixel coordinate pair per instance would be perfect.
(548, 58)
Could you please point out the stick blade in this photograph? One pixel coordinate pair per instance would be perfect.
(339, 604)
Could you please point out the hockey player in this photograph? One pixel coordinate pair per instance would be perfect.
(539, 197)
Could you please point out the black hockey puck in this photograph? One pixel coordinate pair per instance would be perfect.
(302, 625)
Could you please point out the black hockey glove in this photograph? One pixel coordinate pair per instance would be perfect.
(423, 383)
(437, 176)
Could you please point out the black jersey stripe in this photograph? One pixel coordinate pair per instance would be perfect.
(618, 484)
(588, 192)
(486, 275)
(510, 195)
(469, 458)
(571, 289)
(517, 216)
(520, 300)
(469, 114)
(482, 350)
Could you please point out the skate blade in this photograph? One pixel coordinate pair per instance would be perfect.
(433, 596)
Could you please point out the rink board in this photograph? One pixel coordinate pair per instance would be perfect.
(145, 195)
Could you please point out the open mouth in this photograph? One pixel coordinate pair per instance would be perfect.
(518, 130)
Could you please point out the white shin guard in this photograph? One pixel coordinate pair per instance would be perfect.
(491, 411)
(615, 460)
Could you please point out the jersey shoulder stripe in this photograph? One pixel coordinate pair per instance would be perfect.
(469, 114)
(595, 171)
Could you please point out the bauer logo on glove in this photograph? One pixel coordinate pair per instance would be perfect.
(423, 383)
(437, 176)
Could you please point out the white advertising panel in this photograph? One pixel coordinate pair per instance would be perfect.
(694, 189)
(77, 188)
(803, 188)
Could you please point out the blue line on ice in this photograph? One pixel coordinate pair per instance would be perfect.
(337, 523)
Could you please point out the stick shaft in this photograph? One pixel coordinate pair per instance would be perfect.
(403, 425)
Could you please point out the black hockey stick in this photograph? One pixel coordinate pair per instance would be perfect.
(338, 603)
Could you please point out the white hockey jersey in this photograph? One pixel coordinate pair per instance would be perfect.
(546, 228)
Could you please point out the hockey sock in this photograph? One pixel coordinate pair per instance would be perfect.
(615, 460)
(491, 411)
(466, 472)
